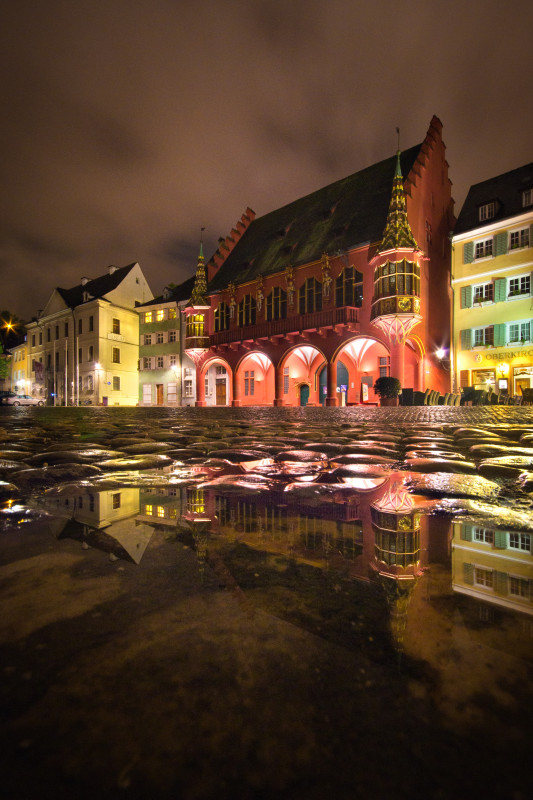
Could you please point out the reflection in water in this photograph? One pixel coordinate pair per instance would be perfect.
(494, 566)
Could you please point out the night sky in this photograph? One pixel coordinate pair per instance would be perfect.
(127, 125)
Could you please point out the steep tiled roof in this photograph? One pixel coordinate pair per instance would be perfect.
(95, 288)
(338, 217)
(174, 294)
(505, 190)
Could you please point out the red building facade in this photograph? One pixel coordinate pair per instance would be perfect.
(311, 303)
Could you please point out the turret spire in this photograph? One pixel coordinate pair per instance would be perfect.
(198, 295)
(397, 231)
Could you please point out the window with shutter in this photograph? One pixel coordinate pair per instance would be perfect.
(466, 339)
(499, 335)
(500, 290)
(466, 297)
(500, 244)
(468, 252)
(468, 574)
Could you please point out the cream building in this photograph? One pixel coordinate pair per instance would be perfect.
(83, 348)
(492, 263)
(20, 382)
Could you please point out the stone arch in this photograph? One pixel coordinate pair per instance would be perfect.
(300, 365)
(218, 385)
(254, 380)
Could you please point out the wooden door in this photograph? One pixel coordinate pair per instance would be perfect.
(220, 392)
(159, 394)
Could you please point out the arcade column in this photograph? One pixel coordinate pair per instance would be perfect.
(331, 373)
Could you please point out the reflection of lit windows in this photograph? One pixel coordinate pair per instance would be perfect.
(172, 491)
(160, 511)
(519, 587)
(172, 513)
(148, 510)
(91, 502)
(116, 500)
(483, 535)
(160, 316)
(520, 541)
(484, 577)
(285, 380)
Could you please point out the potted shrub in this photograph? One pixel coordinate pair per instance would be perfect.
(388, 390)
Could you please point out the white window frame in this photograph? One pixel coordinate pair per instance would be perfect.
(147, 393)
(160, 362)
(172, 336)
(487, 211)
(481, 578)
(172, 392)
(479, 336)
(522, 327)
(147, 338)
(483, 248)
(519, 286)
(523, 239)
(520, 542)
(160, 315)
(160, 337)
(187, 387)
(527, 198)
(486, 292)
(147, 362)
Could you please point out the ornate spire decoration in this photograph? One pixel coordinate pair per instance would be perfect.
(397, 233)
(198, 295)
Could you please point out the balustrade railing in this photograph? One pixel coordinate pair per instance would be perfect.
(280, 327)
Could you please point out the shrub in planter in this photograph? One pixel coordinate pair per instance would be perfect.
(387, 387)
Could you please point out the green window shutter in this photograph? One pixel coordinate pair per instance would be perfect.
(466, 297)
(500, 244)
(500, 540)
(468, 574)
(499, 335)
(468, 253)
(500, 290)
(466, 339)
(466, 533)
(500, 582)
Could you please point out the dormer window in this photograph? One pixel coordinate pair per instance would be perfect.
(86, 297)
(487, 211)
(527, 198)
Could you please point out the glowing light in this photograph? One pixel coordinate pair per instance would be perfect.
(440, 353)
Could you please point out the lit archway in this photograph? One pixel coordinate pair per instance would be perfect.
(217, 376)
(300, 368)
(254, 383)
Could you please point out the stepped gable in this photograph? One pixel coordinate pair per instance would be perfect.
(506, 190)
(95, 288)
(346, 214)
(226, 245)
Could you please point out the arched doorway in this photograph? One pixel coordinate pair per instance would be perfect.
(217, 383)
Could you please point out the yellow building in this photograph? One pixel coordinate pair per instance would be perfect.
(495, 566)
(20, 382)
(492, 263)
(83, 348)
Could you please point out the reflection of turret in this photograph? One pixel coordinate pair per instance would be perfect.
(396, 525)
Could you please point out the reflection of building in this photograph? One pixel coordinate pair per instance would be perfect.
(492, 260)
(494, 566)
(319, 298)
(104, 520)
(165, 375)
(396, 524)
(84, 347)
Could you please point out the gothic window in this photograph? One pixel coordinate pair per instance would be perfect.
(222, 317)
(195, 325)
(276, 304)
(310, 296)
(349, 288)
(247, 310)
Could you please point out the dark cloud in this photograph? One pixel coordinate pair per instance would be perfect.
(129, 124)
